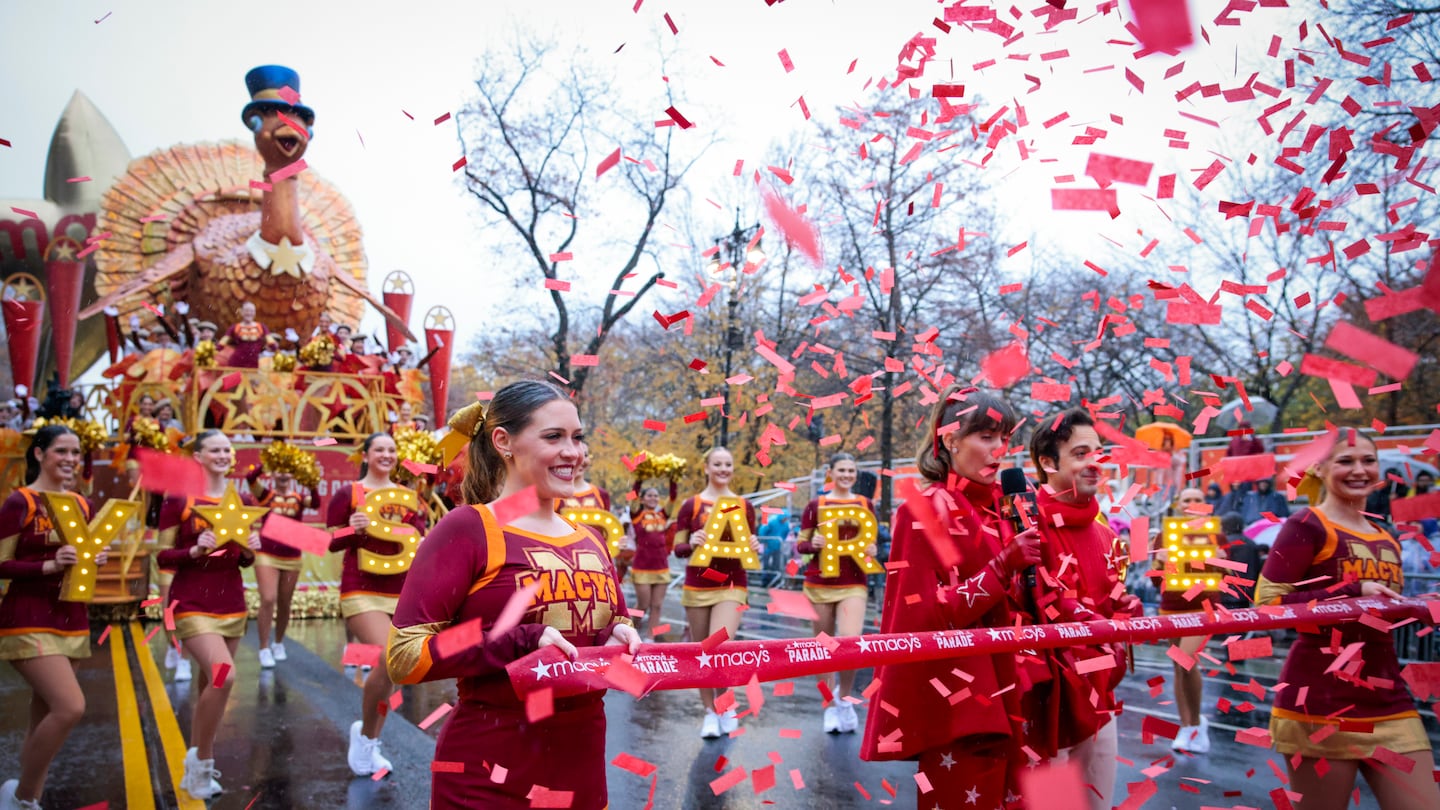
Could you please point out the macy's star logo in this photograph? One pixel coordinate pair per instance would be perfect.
(704, 659)
(971, 590)
(541, 670)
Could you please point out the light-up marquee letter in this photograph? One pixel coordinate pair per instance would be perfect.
(727, 513)
(832, 519)
(88, 538)
(613, 532)
(379, 504)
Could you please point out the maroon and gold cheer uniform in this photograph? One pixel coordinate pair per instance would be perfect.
(208, 592)
(1173, 601)
(469, 568)
(700, 590)
(292, 505)
(653, 544)
(850, 582)
(362, 591)
(33, 620)
(592, 497)
(249, 341)
(1368, 690)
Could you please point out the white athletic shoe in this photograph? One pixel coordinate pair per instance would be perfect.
(8, 801)
(200, 776)
(710, 727)
(182, 669)
(172, 657)
(832, 719)
(849, 721)
(1183, 738)
(378, 762)
(278, 650)
(267, 658)
(362, 752)
(1201, 743)
(729, 722)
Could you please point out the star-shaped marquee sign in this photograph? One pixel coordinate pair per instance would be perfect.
(231, 519)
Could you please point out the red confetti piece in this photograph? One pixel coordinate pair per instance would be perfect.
(633, 764)
(288, 171)
(24, 212)
(608, 163)
(791, 603)
(219, 674)
(1072, 199)
(682, 121)
(1374, 351)
(785, 61)
(441, 766)
(509, 508)
(723, 783)
(361, 655)
(539, 704)
(652, 424)
(294, 534)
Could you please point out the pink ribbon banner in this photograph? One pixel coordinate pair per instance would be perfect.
(736, 663)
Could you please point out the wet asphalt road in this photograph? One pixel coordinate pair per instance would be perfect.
(282, 744)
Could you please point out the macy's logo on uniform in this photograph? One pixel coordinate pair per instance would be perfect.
(744, 658)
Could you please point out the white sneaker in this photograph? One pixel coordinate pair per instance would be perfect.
(729, 722)
(1182, 739)
(267, 658)
(361, 754)
(200, 776)
(278, 650)
(1201, 742)
(8, 801)
(172, 657)
(378, 762)
(710, 728)
(832, 719)
(182, 669)
(849, 721)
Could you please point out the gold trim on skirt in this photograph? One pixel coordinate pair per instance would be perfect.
(830, 594)
(356, 604)
(279, 563)
(40, 643)
(1402, 735)
(639, 577)
(227, 625)
(710, 597)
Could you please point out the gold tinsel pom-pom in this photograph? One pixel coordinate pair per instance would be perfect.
(92, 435)
(416, 446)
(287, 459)
(669, 466)
(205, 354)
(148, 433)
(320, 351)
(283, 362)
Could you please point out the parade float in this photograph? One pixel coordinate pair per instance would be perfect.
(217, 277)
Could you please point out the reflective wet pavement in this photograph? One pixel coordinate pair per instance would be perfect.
(283, 741)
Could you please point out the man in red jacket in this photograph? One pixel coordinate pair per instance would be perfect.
(1081, 579)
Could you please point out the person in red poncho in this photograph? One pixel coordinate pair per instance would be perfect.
(1078, 581)
(958, 717)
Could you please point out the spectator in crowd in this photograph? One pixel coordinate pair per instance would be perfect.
(10, 415)
(1240, 548)
(165, 415)
(1377, 504)
(772, 537)
(1253, 504)
(1245, 442)
(1424, 483)
(1214, 497)
(357, 345)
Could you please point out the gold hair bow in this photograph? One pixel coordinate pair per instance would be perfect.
(465, 425)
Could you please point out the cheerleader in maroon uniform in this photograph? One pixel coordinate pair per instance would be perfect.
(591, 496)
(1333, 551)
(277, 566)
(968, 747)
(247, 339)
(208, 599)
(839, 597)
(367, 600)
(40, 635)
(654, 540)
(715, 593)
(470, 567)
(1078, 581)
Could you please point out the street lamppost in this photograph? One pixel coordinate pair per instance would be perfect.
(742, 247)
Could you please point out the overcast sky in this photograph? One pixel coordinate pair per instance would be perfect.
(172, 72)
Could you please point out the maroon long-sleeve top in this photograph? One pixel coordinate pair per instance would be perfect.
(344, 502)
(851, 573)
(32, 602)
(208, 585)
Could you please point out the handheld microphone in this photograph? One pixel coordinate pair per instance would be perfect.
(1019, 500)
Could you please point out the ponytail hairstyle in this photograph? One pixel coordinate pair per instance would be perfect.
(41, 441)
(365, 450)
(512, 408)
(972, 411)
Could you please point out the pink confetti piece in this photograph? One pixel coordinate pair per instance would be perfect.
(608, 163)
(288, 171)
(785, 60)
(1107, 169)
(1073, 199)
(791, 603)
(633, 764)
(1162, 25)
(510, 507)
(436, 716)
(797, 230)
(78, 180)
(1374, 351)
(442, 119)
(25, 212)
(723, 783)
(557, 285)
(515, 606)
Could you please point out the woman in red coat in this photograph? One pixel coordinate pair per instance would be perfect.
(40, 635)
(958, 575)
(469, 568)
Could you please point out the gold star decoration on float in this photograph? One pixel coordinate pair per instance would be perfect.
(285, 259)
(231, 519)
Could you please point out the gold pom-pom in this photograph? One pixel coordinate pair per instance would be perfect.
(284, 362)
(468, 419)
(91, 434)
(148, 433)
(205, 354)
(669, 466)
(319, 352)
(287, 459)
(418, 447)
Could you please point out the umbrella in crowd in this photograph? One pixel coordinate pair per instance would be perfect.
(1154, 435)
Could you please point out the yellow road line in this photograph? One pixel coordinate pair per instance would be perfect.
(139, 791)
(170, 737)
